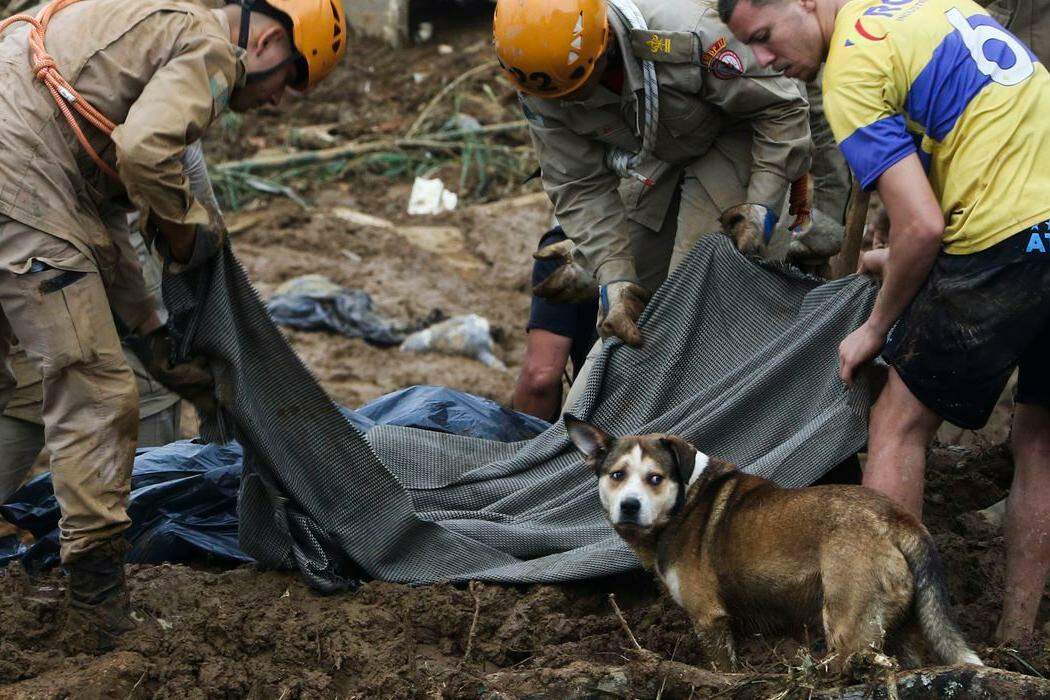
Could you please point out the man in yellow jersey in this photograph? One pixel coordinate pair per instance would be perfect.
(945, 113)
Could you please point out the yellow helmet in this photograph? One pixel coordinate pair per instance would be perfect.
(319, 35)
(549, 48)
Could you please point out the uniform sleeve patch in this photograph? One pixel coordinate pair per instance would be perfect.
(723, 62)
(667, 47)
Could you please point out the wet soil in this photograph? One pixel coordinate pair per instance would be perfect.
(249, 633)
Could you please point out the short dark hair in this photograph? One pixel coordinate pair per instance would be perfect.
(264, 8)
(727, 7)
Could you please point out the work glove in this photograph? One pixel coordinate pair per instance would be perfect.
(800, 202)
(621, 303)
(570, 283)
(207, 242)
(191, 379)
(817, 239)
(749, 226)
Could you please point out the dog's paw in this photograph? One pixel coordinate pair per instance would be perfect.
(721, 662)
(869, 665)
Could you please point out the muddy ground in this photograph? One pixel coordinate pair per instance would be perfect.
(207, 632)
(246, 633)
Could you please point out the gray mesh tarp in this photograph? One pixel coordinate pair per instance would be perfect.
(740, 359)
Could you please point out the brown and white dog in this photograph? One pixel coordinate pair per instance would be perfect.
(737, 550)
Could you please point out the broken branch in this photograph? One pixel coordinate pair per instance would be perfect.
(623, 622)
(358, 149)
(473, 587)
(418, 123)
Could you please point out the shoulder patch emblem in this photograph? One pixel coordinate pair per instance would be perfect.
(657, 44)
(712, 51)
(724, 63)
(664, 46)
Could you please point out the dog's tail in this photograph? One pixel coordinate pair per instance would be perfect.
(931, 599)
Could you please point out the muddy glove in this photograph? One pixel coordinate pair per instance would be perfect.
(569, 283)
(206, 245)
(192, 379)
(815, 237)
(621, 304)
(819, 238)
(188, 247)
(800, 202)
(749, 226)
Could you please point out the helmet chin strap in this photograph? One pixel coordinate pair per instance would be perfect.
(260, 75)
(246, 19)
(242, 41)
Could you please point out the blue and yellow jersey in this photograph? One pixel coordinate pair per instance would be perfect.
(942, 79)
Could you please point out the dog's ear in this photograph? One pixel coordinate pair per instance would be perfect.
(684, 456)
(589, 439)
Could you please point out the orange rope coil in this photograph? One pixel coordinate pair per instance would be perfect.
(65, 95)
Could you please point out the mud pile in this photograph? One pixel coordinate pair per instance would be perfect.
(246, 633)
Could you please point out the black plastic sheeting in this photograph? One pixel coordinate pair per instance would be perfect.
(349, 313)
(183, 503)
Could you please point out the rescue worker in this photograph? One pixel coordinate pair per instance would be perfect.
(162, 71)
(160, 410)
(658, 96)
(22, 423)
(940, 108)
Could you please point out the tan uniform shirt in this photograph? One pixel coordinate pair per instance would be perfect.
(162, 70)
(701, 97)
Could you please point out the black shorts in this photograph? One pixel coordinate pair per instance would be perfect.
(975, 319)
(575, 321)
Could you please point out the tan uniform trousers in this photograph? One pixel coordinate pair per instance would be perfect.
(23, 440)
(90, 401)
(709, 185)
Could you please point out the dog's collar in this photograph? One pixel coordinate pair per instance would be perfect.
(700, 463)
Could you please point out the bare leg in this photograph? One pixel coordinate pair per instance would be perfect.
(901, 429)
(1027, 525)
(538, 391)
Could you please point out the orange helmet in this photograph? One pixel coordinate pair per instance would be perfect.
(549, 48)
(318, 34)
